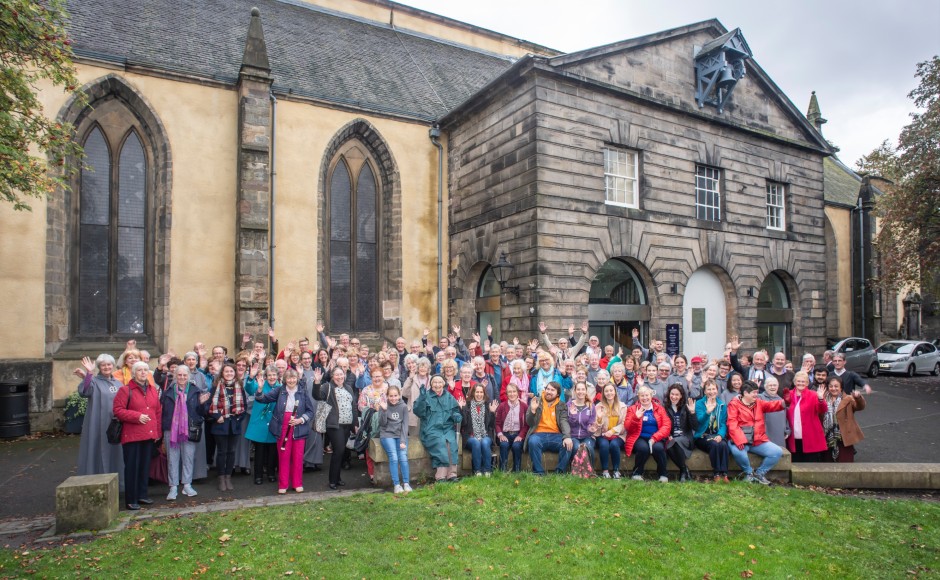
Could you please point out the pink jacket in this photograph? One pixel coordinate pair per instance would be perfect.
(140, 403)
(812, 408)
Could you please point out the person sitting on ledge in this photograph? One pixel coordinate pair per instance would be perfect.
(747, 431)
(549, 429)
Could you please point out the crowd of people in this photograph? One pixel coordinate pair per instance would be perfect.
(287, 409)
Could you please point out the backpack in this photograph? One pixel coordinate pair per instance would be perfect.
(581, 463)
(367, 430)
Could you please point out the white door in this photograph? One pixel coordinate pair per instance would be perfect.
(704, 316)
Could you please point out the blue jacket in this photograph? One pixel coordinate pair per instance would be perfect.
(261, 414)
(195, 409)
(702, 415)
(303, 408)
(565, 383)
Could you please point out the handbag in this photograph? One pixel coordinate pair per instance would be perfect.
(116, 426)
(748, 434)
(323, 411)
(195, 430)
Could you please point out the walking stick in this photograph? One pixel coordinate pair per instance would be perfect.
(290, 431)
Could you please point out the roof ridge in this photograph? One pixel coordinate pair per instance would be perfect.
(393, 28)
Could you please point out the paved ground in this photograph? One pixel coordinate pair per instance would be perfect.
(899, 425)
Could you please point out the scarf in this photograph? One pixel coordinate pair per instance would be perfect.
(222, 405)
(522, 385)
(631, 376)
(831, 427)
(478, 418)
(179, 429)
(543, 378)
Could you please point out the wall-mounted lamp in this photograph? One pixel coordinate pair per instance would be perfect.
(502, 270)
(673, 288)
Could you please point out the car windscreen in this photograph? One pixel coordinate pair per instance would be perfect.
(896, 348)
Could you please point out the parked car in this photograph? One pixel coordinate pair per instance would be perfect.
(909, 357)
(859, 354)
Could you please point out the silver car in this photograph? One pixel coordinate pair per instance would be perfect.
(860, 355)
(909, 357)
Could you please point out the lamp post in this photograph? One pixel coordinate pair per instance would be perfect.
(502, 269)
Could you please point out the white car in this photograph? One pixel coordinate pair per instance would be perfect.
(909, 357)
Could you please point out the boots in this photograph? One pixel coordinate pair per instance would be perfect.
(685, 475)
(222, 483)
(228, 483)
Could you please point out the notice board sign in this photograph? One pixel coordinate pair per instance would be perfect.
(672, 339)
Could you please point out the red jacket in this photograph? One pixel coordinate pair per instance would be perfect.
(140, 403)
(501, 413)
(811, 409)
(633, 425)
(740, 415)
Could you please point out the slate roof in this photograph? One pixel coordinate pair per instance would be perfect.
(841, 185)
(313, 52)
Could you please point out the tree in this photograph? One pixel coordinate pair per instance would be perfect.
(909, 240)
(34, 46)
(882, 161)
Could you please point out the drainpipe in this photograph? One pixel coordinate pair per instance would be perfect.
(861, 258)
(435, 133)
(271, 244)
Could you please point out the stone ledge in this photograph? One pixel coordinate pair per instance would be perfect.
(868, 475)
(86, 502)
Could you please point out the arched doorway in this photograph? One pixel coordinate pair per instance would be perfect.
(774, 316)
(618, 304)
(488, 304)
(704, 315)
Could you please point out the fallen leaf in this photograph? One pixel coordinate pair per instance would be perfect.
(746, 573)
(225, 537)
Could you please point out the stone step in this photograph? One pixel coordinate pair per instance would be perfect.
(868, 475)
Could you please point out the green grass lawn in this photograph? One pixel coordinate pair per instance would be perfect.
(525, 527)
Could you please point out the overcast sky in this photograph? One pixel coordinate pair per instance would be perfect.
(858, 56)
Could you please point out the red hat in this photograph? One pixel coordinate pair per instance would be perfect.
(697, 359)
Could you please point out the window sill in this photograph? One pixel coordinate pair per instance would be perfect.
(75, 349)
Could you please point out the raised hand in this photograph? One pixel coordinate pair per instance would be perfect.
(164, 358)
(691, 404)
(88, 364)
(571, 330)
(320, 326)
(494, 405)
(462, 403)
(456, 329)
(80, 372)
(476, 337)
(130, 344)
(620, 352)
(534, 404)
(383, 405)
(290, 346)
(515, 341)
(427, 331)
(246, 337)
(271, 333)
(636, 333)
(584, 327)
(639, 412)
(317, 376)
(734, 344)
(821, 392)
(489, 329)
(542, 327)
(384, 345)
(255, 367)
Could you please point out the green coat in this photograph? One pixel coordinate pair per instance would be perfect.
(440, 416)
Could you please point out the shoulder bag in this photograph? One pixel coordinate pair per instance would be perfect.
(323, 411)
(116, 426)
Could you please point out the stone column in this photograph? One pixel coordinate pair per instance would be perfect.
(253, 218)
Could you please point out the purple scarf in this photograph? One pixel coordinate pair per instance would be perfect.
(179, 429)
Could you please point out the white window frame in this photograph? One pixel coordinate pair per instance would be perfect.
(776, 206)
(621, 186)
(708, 193)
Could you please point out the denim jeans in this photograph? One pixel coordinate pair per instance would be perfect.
(769, 451)
(515, 446)
(397, 458)
(610, 452)
(481, 452)
(539, 442)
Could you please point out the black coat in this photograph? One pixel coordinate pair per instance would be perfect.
(303, 408)
(196, 409)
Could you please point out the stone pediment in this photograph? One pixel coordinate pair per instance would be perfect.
(661, 68)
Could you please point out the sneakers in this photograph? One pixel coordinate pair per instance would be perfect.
(761, 479)
(478, 474)
(172, 495)
(749, 478)
(637, 478)
(188, 490)
(398, 489)
(616, 475)
(663, 479)
(605, 474)
(407, 488)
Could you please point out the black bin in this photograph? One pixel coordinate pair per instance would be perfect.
(14, 409)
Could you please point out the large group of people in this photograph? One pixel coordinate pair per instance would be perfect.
(575, 398)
